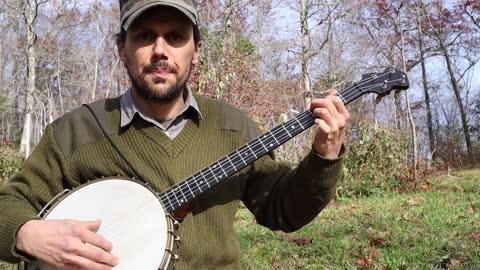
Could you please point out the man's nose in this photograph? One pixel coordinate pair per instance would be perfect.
(159, 47)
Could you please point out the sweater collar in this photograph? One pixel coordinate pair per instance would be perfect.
(128, 109)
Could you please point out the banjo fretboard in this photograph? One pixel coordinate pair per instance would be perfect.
(193, 186)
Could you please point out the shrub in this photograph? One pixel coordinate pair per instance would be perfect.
(10, 162)
(375, 162)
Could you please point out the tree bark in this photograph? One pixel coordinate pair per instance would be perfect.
(30, 14)
(407, 101)
(431, 135)
(456, 90)
(305, 33)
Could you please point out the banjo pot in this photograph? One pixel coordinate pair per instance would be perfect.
(133, 219)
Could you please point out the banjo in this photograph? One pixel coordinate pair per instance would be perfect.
(123, 204)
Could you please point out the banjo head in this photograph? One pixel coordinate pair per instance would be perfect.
(132, 217)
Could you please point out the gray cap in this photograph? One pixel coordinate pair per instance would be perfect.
(132, 9)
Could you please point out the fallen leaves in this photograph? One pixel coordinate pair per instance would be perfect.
(426, 186)
(415, 200)
(300, 241)
(369, 260)
(377, 238)
(458, 188)
(448, 263)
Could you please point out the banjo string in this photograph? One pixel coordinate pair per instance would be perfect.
(210, 173)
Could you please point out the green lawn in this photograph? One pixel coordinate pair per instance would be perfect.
(437, 227)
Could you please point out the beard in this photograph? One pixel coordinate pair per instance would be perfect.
(146, 89)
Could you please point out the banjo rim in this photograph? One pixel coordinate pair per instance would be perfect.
(169, 256)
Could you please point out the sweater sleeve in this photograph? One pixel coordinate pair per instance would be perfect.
(23, 196)
(286, 199)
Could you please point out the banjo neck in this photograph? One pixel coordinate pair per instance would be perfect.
(184, 192)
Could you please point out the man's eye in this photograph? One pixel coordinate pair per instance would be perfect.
(145, 36)
(175, 37)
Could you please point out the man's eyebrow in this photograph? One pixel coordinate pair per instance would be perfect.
(140, 28)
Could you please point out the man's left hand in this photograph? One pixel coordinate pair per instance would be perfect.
(331, 118)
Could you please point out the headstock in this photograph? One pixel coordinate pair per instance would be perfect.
(380, 83)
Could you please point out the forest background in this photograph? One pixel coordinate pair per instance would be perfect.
(269, 58)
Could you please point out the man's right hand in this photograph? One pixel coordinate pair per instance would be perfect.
(66, 244)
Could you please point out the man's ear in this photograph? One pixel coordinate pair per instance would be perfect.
(121, 49)
(196, 53)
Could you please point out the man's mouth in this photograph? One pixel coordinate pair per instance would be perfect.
(160, 72)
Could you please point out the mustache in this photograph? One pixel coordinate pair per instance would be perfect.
(161, 64)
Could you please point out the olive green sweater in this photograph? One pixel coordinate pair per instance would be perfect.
(73, 150)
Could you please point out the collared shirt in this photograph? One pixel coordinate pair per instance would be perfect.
(171, 127)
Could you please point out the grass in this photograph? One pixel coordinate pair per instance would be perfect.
(436, 227)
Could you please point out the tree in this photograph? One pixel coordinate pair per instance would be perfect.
(447, 28)
(30, 13)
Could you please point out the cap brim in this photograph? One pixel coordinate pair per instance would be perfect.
(129, 20)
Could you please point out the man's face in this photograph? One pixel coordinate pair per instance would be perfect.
(158, 52)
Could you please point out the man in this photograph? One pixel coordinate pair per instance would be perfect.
(167, 134)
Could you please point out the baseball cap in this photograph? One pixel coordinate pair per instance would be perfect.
(132, 9)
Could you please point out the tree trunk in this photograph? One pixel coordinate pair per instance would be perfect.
(407, 101)
(305, 76)
(431, 135)
(228, 24)
(30, 14)
(456, 90)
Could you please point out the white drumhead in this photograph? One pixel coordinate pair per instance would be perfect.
(133, 219)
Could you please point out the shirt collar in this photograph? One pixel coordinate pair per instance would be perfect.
(128, 109)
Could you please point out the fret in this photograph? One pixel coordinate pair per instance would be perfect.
(299, 123)
(240, 155)
(287, 131)
(189, 189)
(269, 141)
(305, 120)
(248, 145)
(343, 99)
(221, 167)
(263, 144)
(214, 176)
(166, 200)
(245, 150)
(196, 182)
(206, 181)
(228, 158)
(278, 143)
(183, 195)
(175, 196)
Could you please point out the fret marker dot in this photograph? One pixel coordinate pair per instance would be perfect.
(271, 144)
(293, 126)
(181, 200)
